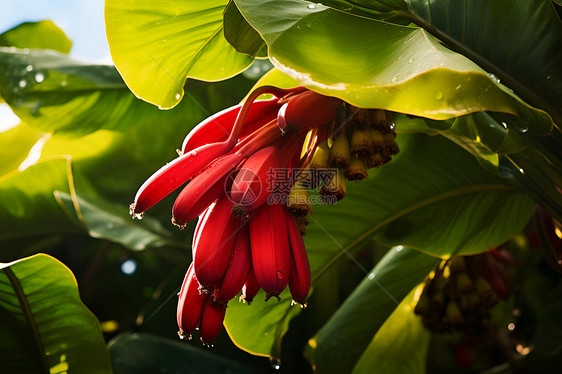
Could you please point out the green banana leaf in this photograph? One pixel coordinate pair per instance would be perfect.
(517, 40)
(45, 328)
(156, 46)
(36, 35)
(29, 208)
(372, 63)
(400, 345)
(54, 93)
(15, 145)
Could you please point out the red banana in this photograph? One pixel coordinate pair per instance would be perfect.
(214, 242)
(174, 174)
(217, 127)
(238, 269)
(251, 287)
(203, 189)
(254, 182)
(271, 255)
(308, 110)
(211, 321)
(190, 304)
(299, 280)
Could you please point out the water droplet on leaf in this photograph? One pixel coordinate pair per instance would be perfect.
(494, 78)
(438, 95)
(29, 67)
(311, 6)
(22, 83)
(280, 274)
(275, 363)
(39, 77)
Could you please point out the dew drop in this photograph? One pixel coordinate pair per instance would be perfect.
(193, 153)
(178, 96)
(280, 274)
(311, 6)
(29, 67)
(410, 60)
(22, 83)
(39, 77)
(275, 363)
(394, 79)
(494, 78)
(548, 77)
(458, 87)
(109, 226)
(438, 95)
(371, 276)
(298, 27)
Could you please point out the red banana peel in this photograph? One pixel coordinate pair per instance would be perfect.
(271, 257)
(214, 242)
(217, 127)
(190, 304)
(211, 321)
(308, 110)
(203, 189)
(251, 287)
(238, 268)
(299, 280)
(254, 181)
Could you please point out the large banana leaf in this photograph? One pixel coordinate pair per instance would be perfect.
(372, 63)
(45, 328)
(51, 91)
(157, 45)
(519, 41)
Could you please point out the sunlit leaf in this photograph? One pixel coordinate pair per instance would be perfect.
(61, 94)
(28, 207)
(260, 335)
(517, 40)
(371, 63)
(15, 145)
(399, 346)
(36, 35)
(157, 45)
(45, 327)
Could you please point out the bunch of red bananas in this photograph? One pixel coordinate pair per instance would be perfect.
(234, 162)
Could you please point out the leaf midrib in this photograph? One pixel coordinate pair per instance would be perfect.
(26, 310)
(411, 208)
